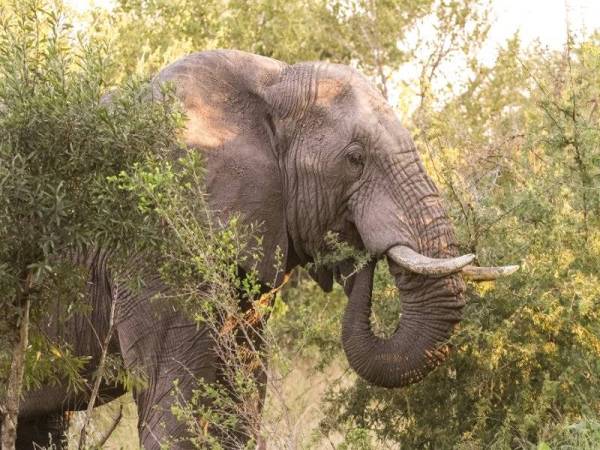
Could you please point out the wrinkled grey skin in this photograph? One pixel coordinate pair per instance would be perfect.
(301, 150)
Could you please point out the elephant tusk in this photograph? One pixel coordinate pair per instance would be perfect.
(475, 273)
(437, 267)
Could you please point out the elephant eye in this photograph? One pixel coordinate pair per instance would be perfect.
(356, 157)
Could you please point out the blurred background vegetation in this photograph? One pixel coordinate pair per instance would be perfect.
(515, 148)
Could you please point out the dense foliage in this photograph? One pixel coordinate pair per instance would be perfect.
(65, 148)
(60, 141)
(86, 163)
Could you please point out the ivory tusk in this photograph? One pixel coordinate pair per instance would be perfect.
(476, 273)
(415, 262)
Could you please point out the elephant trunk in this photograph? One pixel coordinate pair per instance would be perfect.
(417, 345)
(431, 307)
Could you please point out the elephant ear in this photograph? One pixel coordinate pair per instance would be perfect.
(229, 98)
(287, 98)
(290, 93)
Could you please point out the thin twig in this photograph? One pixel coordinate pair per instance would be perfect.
(100, 370)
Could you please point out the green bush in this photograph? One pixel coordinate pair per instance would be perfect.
(61, 141)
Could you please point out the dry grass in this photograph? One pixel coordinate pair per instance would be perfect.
(125, 435)
(292, 413)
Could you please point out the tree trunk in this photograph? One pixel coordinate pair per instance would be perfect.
(10, 409)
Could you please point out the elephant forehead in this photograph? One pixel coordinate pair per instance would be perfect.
(329, 89)
(207, 125)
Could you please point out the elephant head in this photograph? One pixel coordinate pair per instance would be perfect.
(305, 149)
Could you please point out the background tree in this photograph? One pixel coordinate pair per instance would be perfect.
(376, 35)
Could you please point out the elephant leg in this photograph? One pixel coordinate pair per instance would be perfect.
(184, 356)
(47, 431)
(45, 411)
(173, 353)
(242, 362)
(185, 359)
(170, 349)
(261, 379)
(248, 425)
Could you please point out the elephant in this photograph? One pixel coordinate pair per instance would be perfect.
(301, 151)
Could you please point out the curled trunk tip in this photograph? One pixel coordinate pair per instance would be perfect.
(419, 343)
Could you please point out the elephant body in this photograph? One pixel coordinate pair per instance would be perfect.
(300, 151)
(155, 339)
